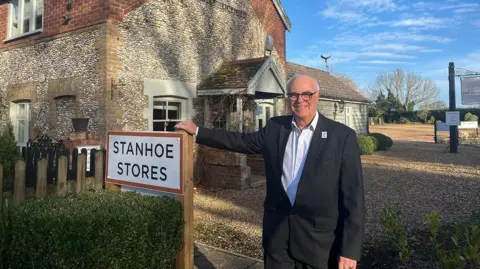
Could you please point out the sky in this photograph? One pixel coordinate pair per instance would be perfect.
(366, 37)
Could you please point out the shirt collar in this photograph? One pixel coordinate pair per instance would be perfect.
(312, 125)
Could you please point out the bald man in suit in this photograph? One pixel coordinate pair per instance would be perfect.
(314, 206)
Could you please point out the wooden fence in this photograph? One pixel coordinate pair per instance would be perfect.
(47, 172)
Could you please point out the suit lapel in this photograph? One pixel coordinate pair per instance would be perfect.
(283, 138)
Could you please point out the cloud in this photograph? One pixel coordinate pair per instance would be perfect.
(383, 62)
(465, 10)
(442, 6)
(387, 55)
(343, 16)
(352, 39)
(423, 22)
(356, 11)
(402, 48)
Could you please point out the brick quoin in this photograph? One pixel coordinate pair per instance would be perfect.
(83, 13)
(271, 20)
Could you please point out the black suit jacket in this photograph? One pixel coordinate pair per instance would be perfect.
(327, 218)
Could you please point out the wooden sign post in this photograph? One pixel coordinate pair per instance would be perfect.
(156, 163)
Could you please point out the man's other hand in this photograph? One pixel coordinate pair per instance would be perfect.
(345, 263)
(188, 126)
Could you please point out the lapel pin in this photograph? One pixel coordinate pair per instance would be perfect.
(324, 134)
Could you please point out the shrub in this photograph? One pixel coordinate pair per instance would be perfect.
(404, 120)
(9, 154)
(471, 117)
(94, 230)
(375, 142)
(384, 142)
(431, 120)
(366, 144)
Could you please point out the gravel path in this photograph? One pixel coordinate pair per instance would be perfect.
(415, 177)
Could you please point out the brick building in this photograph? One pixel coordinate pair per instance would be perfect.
(138, 65)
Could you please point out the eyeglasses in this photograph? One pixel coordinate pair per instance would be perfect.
(306, 96)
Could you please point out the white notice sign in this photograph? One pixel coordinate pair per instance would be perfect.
(452, 118)
(148, 160)
(470, 87)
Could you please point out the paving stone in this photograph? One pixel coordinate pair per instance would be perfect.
(209, 258)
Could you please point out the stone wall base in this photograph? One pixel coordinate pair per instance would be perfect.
(226, 177)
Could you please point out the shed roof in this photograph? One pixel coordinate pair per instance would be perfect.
(330, 86)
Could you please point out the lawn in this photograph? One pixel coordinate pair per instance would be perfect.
(416, 176)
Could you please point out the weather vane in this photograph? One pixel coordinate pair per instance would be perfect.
(326, 59)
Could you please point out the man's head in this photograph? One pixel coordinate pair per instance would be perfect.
(303, 92)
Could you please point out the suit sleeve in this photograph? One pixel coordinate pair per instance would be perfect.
(352, 199)
(247, 143)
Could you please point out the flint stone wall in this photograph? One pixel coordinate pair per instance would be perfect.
(43, 72)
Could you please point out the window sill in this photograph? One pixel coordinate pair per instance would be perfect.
(23, 35)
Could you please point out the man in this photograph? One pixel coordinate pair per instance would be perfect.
(314, 205)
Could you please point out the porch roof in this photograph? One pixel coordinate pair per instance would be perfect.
(255, 76)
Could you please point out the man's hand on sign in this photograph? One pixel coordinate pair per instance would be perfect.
(188, 126)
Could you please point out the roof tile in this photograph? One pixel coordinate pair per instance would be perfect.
(330, 86)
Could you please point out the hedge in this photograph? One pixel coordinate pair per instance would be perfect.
(375, 142)
(437, 114)
(93, 230)
(384, 142)
(367, 146)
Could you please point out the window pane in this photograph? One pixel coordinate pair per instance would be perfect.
(38, 14)
(159, 126)
(267, 113)
(171, 126)
(14, 19)
(21, 110)
(159, 114)
(21, 131)
(27, 11)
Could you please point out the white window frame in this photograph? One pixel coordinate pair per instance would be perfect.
(263, 106)
(348, 116)
(21, 17)
(183, 109)
(15, 118)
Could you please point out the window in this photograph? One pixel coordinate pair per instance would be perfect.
(19, 115)
(25, 16)
(265, 111)
(166, 113)
(348, 116)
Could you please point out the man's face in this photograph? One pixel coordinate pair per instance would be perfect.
(303, 97)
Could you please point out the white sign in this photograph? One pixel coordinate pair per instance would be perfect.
(147, 160)
(452, 118)
(442, 126)
(470, 88)
(468, 125)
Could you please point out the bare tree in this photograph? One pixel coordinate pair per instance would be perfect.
(410, 89)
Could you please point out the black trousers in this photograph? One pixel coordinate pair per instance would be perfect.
(282, 259)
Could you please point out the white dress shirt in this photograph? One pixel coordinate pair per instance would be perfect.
(295, 155)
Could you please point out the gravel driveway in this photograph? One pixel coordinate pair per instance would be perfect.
(415, 177)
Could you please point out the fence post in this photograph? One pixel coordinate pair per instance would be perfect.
(81, 181)
(62, 175)
(41, 190)
(435, 132)
(99, 170)
(19, 185)
(1, 185)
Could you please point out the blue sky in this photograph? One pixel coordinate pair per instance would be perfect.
(366, 37)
